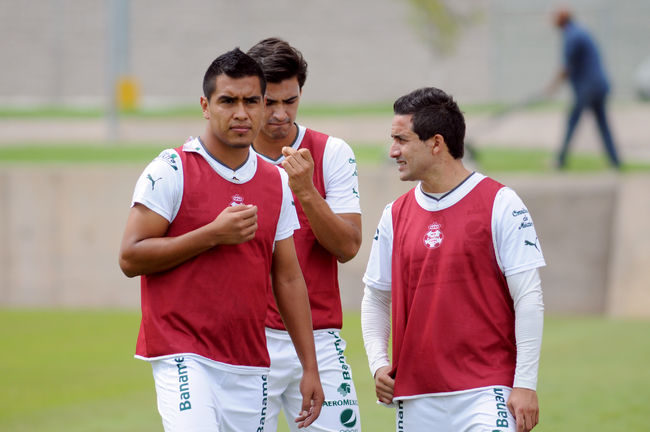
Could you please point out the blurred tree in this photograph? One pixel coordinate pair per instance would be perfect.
(440, 22)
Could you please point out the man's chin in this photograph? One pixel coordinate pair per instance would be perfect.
(276, 134)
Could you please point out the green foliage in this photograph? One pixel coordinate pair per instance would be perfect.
(74, 371)
(440, 22)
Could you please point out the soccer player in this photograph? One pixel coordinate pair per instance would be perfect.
(456, 260)
(323, 177)
(584, 69)
(209, 222)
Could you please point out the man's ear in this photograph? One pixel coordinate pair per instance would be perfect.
(204, 107)
(437, 143)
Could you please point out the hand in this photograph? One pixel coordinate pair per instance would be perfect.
(299, 165)
(235, 224)
(524, 407)
(384, 385)
(312, 399)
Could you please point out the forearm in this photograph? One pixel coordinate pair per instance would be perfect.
(293, 305)
(153, 255)
(375, 326)
(340, 235)
(529, 322)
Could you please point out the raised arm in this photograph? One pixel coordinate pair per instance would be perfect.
(340, 233)
(293, 303)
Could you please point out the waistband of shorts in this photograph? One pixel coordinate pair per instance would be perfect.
(235, 369)
(452, 393)
(283, 334)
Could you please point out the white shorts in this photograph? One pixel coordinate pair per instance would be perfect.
(481, 410)
(340, 410)
(196, 397)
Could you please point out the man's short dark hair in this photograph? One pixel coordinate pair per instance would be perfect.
(434, 112)
(279, 60)
(234, 64)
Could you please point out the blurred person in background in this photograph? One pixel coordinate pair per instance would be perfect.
(323, 177)
(454, 262)
(583, 67)
(209, 222)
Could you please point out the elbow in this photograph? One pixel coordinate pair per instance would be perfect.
(127, 267)
(349, 252)
(343, 258)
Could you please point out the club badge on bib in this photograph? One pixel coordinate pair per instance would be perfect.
(236, 200)
(434, 236)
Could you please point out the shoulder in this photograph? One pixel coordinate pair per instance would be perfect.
(266, 167)
(401, 203)
(506, 195)
(329, 144)
(171, 157)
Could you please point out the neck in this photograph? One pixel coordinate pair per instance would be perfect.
(272, 148)
(445, 177)
(232, 157)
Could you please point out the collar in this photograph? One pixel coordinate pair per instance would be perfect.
(450, 198)
(240, 175)
(295, 145)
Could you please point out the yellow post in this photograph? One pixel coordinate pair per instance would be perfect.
(128, 93)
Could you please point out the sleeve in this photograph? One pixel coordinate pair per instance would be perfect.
(515, 239)
(378, 270)
(375, 326)
(526, 291)
(341, 177)
(288, 221)
(160, 186)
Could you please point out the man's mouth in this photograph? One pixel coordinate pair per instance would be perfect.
(242, 129)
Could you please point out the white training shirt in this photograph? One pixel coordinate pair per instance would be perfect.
(518, 254)
(160, 186)
(339, 173)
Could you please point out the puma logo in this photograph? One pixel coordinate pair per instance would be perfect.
(153, 182)
(529, 243)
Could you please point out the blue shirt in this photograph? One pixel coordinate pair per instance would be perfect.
(582, 62)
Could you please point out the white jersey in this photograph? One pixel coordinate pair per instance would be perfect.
(339, 173)
(160, 186)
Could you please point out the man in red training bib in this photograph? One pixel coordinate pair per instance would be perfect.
(456, 260)
(323, 177)
(210, 221)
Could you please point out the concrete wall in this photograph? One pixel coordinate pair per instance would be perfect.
(61, 226)
(56, 51)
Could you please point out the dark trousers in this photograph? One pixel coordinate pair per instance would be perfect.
(596, 103)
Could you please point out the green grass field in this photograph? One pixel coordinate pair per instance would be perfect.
(488, 160)
(74, 371)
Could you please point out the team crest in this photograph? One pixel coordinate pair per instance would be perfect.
(434, 236)
(236, 200)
